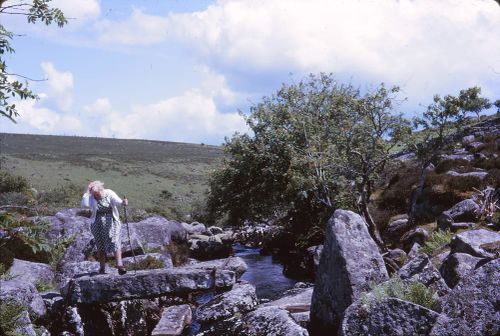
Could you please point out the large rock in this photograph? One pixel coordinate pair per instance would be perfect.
(240, 299)
(270, 321)
(67, 271)
(471, 242)
(464, 211)
(204, 247)
(298, 304)
(421, 269)
(235, 264)
(80, 249)
(132, 245)
(173, 321)
(456, 266)
(24, 326)
(389, 317)
(158, 231)
(32, 272)
(25, 294)
(350, 265)
(145, 284)
(471, 308)
(396, 228)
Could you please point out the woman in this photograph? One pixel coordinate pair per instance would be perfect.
(105, 222)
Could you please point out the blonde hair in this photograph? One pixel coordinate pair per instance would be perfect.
(96, 186)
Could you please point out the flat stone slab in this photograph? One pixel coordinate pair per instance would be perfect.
(145, 284)
(173, 321)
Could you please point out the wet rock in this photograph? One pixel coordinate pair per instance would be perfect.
(23, 293)
(209, 247)
(471, 241)
(456, 266)
(391, 317)
(31, 272)
(145, 284)
(235, 264)
(350, 265)
(215, 230)
(240, 299)
(471, 308)
(421, 269)
(173, 321)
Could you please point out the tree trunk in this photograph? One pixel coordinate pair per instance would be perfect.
(416, 196)
(372, 226)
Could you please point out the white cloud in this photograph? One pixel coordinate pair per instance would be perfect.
(101, 105)
(78, 11)
(426, 46)
(45, 120)
(190, 117)
(139, 29)
(60, 85)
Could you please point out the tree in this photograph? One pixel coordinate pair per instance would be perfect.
(497, 105)
(316, 146)
(10, 87)
(470, 100)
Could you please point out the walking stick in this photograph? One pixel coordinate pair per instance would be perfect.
(129, 240)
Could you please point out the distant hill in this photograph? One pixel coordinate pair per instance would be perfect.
(165, 174)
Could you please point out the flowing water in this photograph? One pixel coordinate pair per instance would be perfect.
(263, 272)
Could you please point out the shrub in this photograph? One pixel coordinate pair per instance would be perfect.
(147, 263)
(66, 195)
(437, 241)
(14, 198)
(411, 291)
(58, 248)
(13, 183)
(446, 165)
(10, 312)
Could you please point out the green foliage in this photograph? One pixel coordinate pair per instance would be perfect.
(470, 100)
(39, 10)
(4, 272)
(10, 312)
(43, 286)
(13, 183)
(19, 234)
(437, 241)
(57, 250)
(61, 196)
(411, 291)
(317, 145)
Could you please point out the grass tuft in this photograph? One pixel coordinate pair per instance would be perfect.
(437, 241)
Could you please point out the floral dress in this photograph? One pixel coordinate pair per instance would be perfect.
(105, 228)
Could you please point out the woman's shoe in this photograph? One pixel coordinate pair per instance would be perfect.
(122, 270)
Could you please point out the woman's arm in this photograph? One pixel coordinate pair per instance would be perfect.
(116, 199)
(85, 200)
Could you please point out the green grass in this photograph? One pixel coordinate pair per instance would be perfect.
(411, 291)
(437, 241)
(144, 171)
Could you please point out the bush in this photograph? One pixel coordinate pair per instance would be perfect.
(13, 183)
(446, 165)
(147, 263)
(10, 312)
(411, 291)
(66, 195)
(437, 241)
(15, 198)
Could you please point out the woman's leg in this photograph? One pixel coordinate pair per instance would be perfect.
(118, 257)
(102, 258)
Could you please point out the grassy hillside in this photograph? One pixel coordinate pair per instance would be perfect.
(150, 173)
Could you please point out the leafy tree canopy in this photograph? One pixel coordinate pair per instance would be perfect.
(316, 146)
(10, 87)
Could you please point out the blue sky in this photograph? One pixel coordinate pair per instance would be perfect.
(180, 70)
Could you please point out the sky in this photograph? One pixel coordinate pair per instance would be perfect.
(184, 70)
